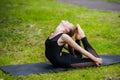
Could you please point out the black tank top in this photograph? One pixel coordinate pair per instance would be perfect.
(52, 49)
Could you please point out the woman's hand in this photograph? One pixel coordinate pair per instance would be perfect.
(98, 61)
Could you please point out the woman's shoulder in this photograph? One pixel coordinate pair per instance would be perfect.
(64, 36)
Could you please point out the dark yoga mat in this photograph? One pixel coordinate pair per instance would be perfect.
(47, 67)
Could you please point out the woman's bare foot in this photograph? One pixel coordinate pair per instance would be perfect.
(79, 33)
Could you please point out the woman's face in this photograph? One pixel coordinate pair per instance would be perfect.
(70, 26)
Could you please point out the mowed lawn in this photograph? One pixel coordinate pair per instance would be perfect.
(25, 24)
(118, 1)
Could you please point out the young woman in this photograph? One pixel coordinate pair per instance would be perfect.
(61, 38)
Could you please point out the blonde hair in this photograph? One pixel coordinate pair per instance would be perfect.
(70, 27)
(72, 31)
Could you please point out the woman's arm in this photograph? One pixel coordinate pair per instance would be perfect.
(67, 39)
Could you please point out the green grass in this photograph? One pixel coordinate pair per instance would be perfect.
(113, 1)
(24, 26)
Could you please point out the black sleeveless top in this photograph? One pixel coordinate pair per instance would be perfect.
(53, 50)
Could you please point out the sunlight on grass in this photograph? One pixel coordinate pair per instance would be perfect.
(24, 26)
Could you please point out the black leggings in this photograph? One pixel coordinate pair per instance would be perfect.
(84, 61)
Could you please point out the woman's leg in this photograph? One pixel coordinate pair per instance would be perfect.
(81, 36)
(84, 61)
(77, 53)
(88, 47)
